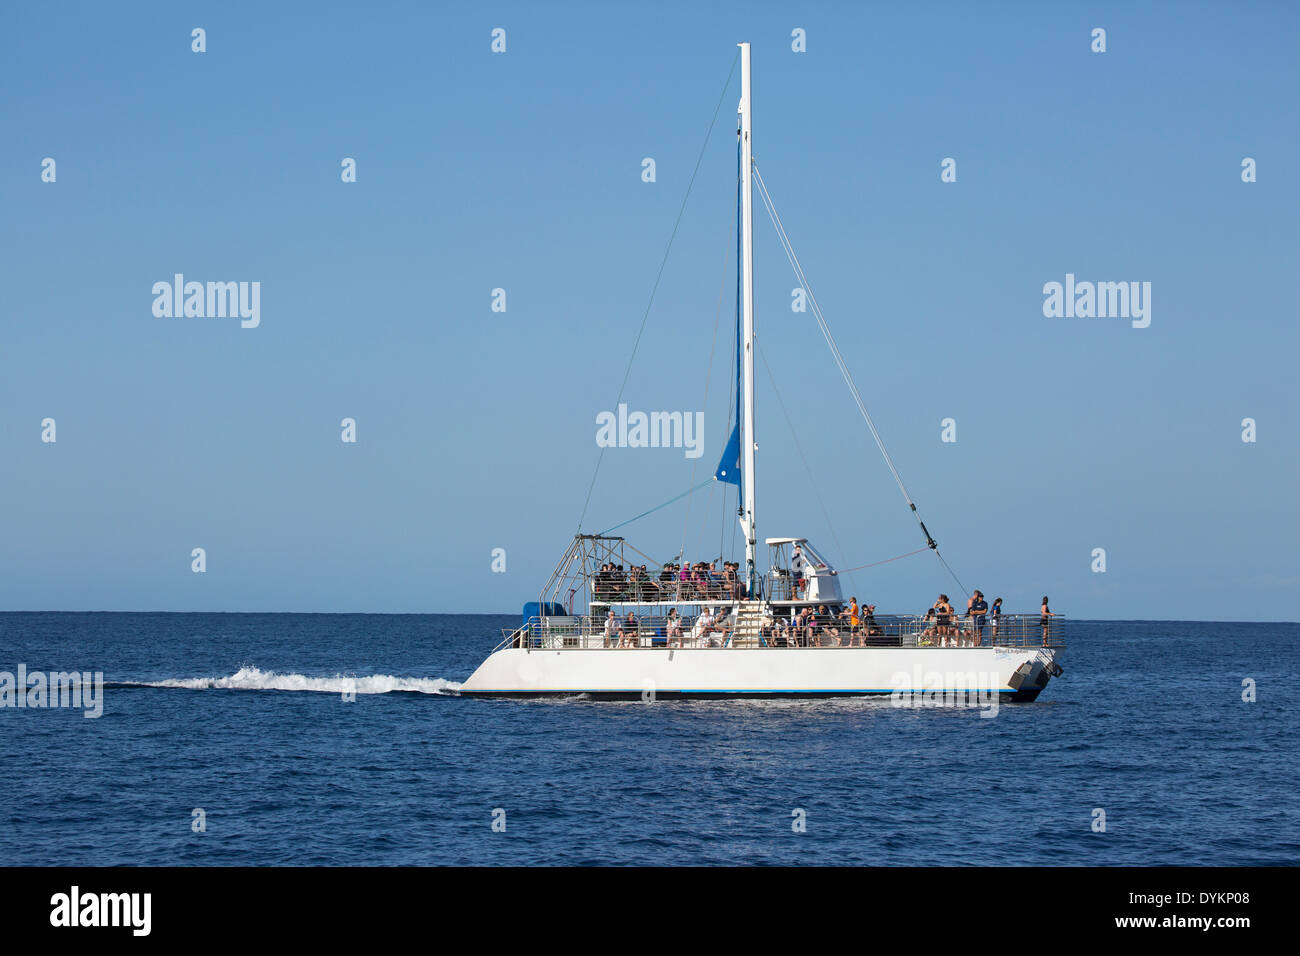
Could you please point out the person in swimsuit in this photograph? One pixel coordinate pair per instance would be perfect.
(928, 625)
(1046, 619)
(943, 618)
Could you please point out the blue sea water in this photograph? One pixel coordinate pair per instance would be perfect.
(1147, 724)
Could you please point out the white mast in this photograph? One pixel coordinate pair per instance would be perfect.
(747, 306)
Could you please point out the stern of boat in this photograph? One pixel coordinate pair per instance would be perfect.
(1032, 676)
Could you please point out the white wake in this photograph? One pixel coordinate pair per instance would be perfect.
(252, 678)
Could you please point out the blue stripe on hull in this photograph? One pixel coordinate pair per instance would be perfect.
(1024, 695)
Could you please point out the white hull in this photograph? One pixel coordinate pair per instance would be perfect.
(763, 672)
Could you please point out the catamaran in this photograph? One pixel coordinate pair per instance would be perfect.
(605, 626)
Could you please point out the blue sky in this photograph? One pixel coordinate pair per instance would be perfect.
(475, 170)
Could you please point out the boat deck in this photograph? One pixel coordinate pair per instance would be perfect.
(747, 625)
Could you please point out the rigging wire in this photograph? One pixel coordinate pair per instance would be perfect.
(960, 586)
(717, 323)
(655, 288)
(886, 561)
(732, 412)
(798, 447)
(671, 500)
(840, 363)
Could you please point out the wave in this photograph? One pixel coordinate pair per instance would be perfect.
(252, 678)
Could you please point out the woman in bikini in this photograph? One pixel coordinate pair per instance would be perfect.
(943, 619)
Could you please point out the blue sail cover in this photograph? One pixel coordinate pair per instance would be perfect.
(729, 466)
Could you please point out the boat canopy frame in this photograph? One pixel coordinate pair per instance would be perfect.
(575, 573)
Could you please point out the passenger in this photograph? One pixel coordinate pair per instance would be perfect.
(629, 634)
(703, 629)
(665, 582)
(611, 627)
(730, 581)
(807, 627)
(851, 614)
(943, 619)
(1046, 620)
(778, 631)
(976, 610)
(826, 625)
(869, 626)
(722, 626)
(930, 630)
(673, 628)
(995, 617)
(796, 568)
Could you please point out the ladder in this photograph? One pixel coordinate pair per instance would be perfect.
(749, 624)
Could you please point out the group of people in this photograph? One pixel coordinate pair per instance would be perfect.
(709, 629)
(943, 625)
(675, 582)
(854, 625)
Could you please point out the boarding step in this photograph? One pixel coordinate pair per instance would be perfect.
(749, 624)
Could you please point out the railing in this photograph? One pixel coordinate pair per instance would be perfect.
(654, 589)
(783, 585)
(891, 630)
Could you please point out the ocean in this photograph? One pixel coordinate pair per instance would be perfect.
(226, 739)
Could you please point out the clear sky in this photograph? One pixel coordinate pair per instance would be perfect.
(523, 170)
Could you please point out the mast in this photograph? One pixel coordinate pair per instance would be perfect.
(747, 307)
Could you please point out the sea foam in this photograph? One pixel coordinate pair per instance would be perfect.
(252, 678)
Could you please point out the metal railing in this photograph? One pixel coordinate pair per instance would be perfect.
(726, 631)
(654, 585)
(782, 585)
(657, 589)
